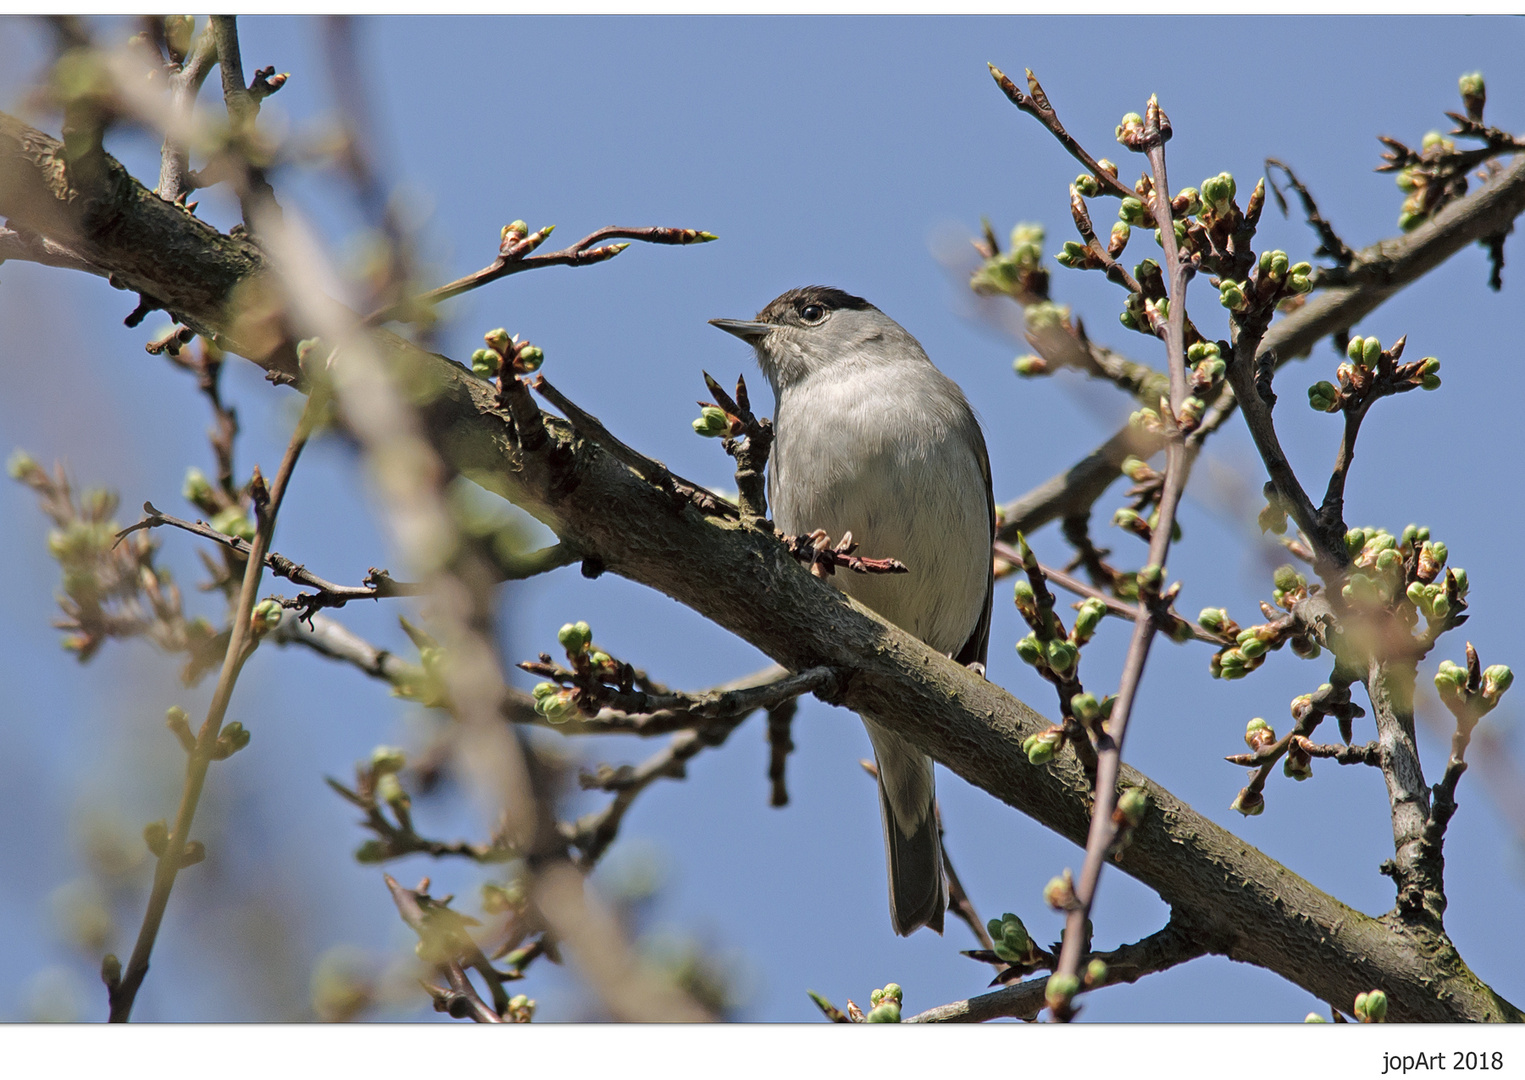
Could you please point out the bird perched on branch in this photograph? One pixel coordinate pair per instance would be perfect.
(871, 439)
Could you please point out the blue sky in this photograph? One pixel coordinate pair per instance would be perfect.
(858, 152)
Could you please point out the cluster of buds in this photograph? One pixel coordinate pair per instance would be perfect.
(1252, 644)
(521, 1009)
(1010, 939)
(1371, 371)
(1408, 573)
(1371, 1007)
(1207, 367)
(593, 679)
(1471, 692)
(884, 1005)
(505, 355)
(1018, 272)
(1275, 279)
(377, 784)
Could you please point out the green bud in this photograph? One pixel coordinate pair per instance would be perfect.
(1406, 180)
(1193, 202)
(1024, 595)
(599, 659)
(1060, 990)
(1300, 284)
(1086, 185)
(1126, 518)
(1471, 85)
(1432, 139)
(1324, 396)
(1121, 233)
(1314, 1018)
(1232, 664)
(485, 364)
(1254, 648)
(1131, 211)
(1371, 352)
(1096, 972)
(1218, 192)
(1030, 649)
(370, 852)
(1231, 295)
(545, 690)
(557, 708)
(1496, 679)
(1355, 349)
(1440, 606)
(1085, 706)
(197, 488)
(1088, 618)
(498, 341)
(1132, 123)
(266, 616)
(1029, 365)
(1388, 561)
(387, 759)
(20, 465)
(1212, 619)
(1460, 577)
(887, 1013)
(530, 358)
(575, 637)
(1450, 678)
(232, 522)
(1258, 733)
(1039, 748)
(1045, 316)
(1132, 804)
(712, 423)
(1355, 540)
(1416, 592)
(1279, 265)
(1061, 656)
(1438, 552)
(389, 790)
(1059, 893)
(1287, 579)
(1371, 1007)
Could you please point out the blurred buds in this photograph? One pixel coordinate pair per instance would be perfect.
(1060, 991)
(1474, 93)
(232, 522)
(1029, 364)
(387, 759)
(1096, 973)
(1132, 804)
(1059, 893)
(156, 836)
(197, 490)
(233, 738)
(485, 363)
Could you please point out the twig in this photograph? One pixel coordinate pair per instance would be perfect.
(1166, 948)
(515, 258)
(255, 195)
(1330, 243)
(184, 85)
(1109, 746)
(1037, 105)
(780, 746)
(123, 992)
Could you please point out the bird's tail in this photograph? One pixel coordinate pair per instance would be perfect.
(913, 849)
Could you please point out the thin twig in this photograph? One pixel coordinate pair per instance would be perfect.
(1103, 830)
(123, 992)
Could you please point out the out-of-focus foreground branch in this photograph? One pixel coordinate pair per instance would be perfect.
(1225, 894)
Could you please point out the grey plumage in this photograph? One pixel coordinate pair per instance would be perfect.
(872, 439)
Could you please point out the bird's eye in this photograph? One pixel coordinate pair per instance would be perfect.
(812, 313)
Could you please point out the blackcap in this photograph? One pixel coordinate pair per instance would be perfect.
(871, 439)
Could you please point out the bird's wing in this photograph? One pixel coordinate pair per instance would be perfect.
(978, 645)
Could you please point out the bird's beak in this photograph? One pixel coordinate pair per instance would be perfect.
(750, 332)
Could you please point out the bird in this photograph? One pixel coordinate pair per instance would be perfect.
(871, 439)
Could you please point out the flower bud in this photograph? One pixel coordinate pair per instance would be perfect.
(485, 364)
(1030, 649)
(1132, 804)
(1355, 540)
(1088, 618)
(372, 851)
(1232, 664)
(1059, 893)
(1218, 192)
(575, 637)
(1371, 352)
(1188, 201)
(529, 358)
(1496, 679)
(197, 488)
(498, 341)
(712, 423)
(265, 617)
(1371, 1007)
(1324, 396)
(1085, 706)
(559, 707)
(1212, 619)
(1460, 576)
(1028, 364)
(1258, 734)
(1061, 656)
(1473, 90)
(387, 759)
(232, 522)
(1096, 973)
(1121, 234)
(1023, 594)
(1041, 748)
(1085, 185)
(1060, 991)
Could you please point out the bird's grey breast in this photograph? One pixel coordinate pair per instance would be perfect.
(890, 454)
